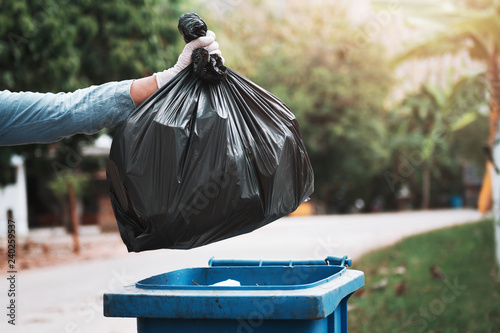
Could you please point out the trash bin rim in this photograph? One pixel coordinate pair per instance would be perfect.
(336, 270)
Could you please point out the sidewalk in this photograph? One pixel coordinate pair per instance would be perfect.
(54, 246)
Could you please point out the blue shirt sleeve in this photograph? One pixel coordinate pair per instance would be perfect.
(27, 117)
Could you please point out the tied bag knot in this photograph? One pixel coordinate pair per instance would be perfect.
(207, 66)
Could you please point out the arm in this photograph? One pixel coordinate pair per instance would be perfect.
(28, 117)
(141, 89)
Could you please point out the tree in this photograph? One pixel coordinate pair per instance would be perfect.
(423, 126)
(303, 54)
(56, 45)
(475, 28)
(67, 187)
(468, 25)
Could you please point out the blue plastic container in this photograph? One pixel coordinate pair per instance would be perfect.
(272, 296)
(456, 201)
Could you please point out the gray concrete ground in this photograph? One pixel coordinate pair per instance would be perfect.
(68, 298)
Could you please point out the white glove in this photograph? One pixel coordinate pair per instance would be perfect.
(208, 42)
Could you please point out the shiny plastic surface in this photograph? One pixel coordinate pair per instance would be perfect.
(210, 155)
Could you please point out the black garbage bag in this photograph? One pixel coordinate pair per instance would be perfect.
(210, 155)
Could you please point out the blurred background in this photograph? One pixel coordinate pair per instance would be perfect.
(398, 107)
(392, 118)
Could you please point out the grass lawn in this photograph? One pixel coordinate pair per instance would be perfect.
(442, 281)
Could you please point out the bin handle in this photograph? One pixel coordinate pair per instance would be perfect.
(339, 261)
(330, 260)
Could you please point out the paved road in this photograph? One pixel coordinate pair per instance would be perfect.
(69, 298)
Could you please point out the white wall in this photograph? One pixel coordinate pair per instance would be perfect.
(14, 197)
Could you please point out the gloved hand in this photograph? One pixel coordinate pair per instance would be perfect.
(208, 42)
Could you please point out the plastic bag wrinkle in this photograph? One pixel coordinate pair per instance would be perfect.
(202, 162)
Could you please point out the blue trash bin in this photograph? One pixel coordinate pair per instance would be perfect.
(270, 296)
(456, 201)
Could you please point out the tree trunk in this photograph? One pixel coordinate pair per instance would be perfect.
(426, 186)
(66, 214)
(494, 79)
(495, 97)
(74, 217)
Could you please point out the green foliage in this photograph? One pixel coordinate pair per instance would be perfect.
(60, 45)
(415, 301)
(472, 26)
(59, 185)
(468, 25)
(428, 132)
(335, 81)
(303, 54)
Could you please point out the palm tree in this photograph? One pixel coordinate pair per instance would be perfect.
(432, 114)
(468, 25)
